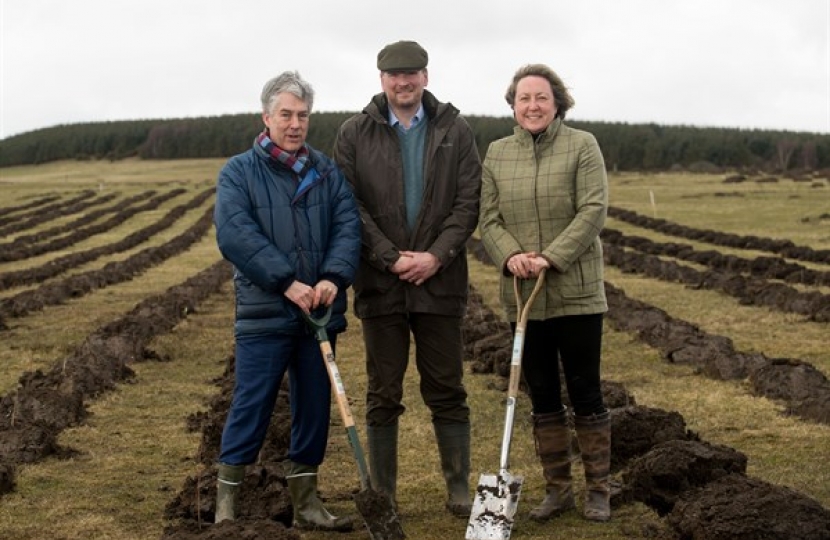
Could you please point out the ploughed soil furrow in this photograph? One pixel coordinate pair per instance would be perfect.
(655, 459)
(84, 219)
(760, 267)
(785, 248)
(26, 252)
(62, 264)
(804, 389)
(48, 213)
(6, 211)
(44, 404)
(115, 272)
(749, 290)
(700, 488)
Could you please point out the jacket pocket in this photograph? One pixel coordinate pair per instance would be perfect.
(583, 279)
(370, 282)
(451, 282)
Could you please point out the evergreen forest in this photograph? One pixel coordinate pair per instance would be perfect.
(626, 147)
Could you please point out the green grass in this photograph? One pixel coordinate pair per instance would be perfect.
(135, 452)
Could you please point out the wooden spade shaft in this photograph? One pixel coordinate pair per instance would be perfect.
(376, 509)
(497, 496)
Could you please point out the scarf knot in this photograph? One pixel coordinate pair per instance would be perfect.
(298, 162)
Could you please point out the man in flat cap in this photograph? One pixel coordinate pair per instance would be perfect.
(415, 170)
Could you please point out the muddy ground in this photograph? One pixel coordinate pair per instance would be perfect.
(701, 489)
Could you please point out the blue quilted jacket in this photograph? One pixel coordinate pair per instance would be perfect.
(275, 230)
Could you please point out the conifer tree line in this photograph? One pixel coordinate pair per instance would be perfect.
(626, 147)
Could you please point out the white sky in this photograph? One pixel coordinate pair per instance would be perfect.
(727, 63)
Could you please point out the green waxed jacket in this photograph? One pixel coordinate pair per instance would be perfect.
(548, 196)
(367, 149)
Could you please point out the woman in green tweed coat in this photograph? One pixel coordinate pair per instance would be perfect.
(544, 199)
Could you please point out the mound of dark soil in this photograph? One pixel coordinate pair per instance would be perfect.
(241, 529)
(673, 467)
(737, 507)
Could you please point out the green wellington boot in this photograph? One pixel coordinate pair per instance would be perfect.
(454, 449)
(383, 459)
(228, 480)
(309, 512)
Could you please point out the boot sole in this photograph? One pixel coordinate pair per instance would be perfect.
(314, 527)
(553, 514)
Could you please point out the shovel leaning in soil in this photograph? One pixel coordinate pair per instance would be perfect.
(375, 508)
(497, 496)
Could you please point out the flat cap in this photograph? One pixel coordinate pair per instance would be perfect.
(402, 56)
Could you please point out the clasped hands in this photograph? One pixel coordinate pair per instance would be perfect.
(415, 266)
(310, 298)
(527, 265)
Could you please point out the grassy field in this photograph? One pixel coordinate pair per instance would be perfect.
(134, 453)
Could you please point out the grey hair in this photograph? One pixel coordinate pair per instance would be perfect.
(290, 82)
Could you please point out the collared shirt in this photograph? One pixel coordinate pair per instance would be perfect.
(394, 122)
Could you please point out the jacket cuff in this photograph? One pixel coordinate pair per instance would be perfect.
(337, 280)
(283, 285)
(553, 265)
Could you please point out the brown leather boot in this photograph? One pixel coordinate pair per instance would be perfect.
(553, 446)
(594, 435)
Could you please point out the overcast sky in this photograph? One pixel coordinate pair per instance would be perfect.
(727, 63)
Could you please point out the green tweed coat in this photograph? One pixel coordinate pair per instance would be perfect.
(549, 196)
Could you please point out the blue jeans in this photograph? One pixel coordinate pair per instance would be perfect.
(261, 363)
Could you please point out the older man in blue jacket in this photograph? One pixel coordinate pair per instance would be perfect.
(287, 220)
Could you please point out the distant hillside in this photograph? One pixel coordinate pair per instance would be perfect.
(626, 147)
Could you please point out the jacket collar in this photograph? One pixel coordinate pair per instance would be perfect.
(324, 169)
(545, 137)
(378, 108)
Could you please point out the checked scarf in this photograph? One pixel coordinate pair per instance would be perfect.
(299, 162)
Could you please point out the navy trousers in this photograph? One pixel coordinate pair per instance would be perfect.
(261, 364)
